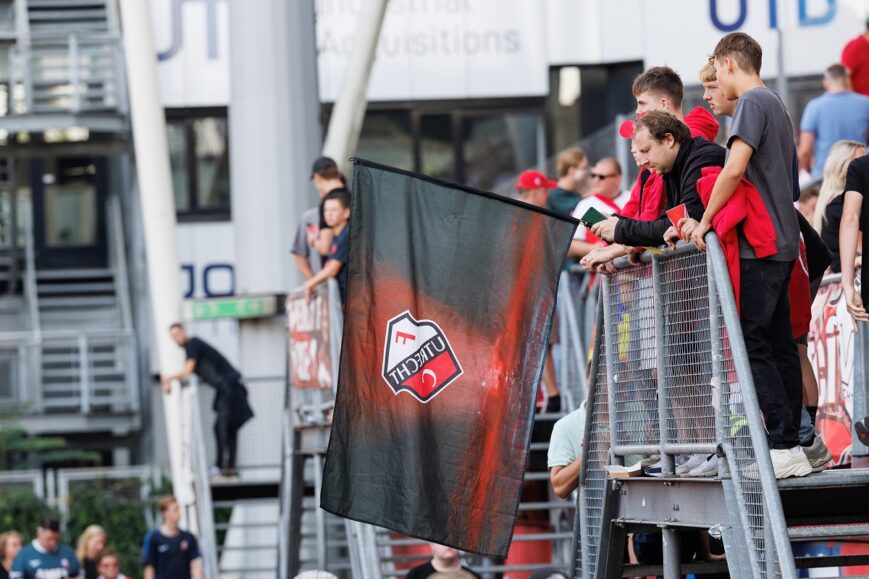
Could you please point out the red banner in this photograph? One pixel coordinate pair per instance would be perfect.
(310, 350)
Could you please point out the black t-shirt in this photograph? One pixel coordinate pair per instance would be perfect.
(340, 251)
(171, 556)
(830, 229)
(89, 569)
(211, 366)
(4, 573)
(424, 571)
(858, 180)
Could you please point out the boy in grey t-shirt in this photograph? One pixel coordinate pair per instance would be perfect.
(761, 149)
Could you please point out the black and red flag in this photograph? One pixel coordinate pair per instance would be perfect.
(450, 297)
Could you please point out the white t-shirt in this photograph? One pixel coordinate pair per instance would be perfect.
(599, 202)
(565, 444)
(623, 198)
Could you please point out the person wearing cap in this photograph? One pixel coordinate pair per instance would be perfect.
(534, 188)
(313, 238)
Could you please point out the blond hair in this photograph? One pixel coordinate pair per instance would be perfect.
(88, 534)
(835, 169)
(707, 72)
(569, 158)
(4, 541)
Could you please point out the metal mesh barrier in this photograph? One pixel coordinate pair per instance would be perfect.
(594, 478)
(631, 321)
(687, 349)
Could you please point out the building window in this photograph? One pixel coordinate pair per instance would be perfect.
(199, 155)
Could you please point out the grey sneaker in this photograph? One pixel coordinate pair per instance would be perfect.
(707, 468)
(818, 454)
(693, 462)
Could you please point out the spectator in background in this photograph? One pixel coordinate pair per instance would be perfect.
(855, 57)
(573, 180)
(606, 177)
(170, 552)
(230, 399)
(109, 566)
(90, 544)
(10, 545)
(831, 202)
(808, 202)
(336, 211)
(836, 115)
(534, 188)
(326, 178)
(565, 451)
(444, 559)
(45, 556)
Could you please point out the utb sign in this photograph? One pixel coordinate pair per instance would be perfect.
(817, 18)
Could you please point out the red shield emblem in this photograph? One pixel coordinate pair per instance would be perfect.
(418, 357)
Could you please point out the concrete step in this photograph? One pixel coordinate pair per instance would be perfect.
(62, 274)
(829, 532)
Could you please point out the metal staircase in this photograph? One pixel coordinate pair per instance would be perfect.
(670, 376)
(66, 67)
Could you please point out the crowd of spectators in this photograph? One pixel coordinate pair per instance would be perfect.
(168, 552)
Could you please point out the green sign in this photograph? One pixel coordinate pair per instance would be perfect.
(233, 307)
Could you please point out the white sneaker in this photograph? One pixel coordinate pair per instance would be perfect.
(214, 472)
(693, 462)
(708, 467)
(789, 462)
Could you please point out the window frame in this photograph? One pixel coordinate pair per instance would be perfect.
(186, 117)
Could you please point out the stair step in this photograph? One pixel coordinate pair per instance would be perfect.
(46, 274)
(109, 301)
(71, 3)
(96, 15)
(549, 506)
(76, 288)
(828, 532)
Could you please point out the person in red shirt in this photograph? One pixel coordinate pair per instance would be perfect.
(855, 57)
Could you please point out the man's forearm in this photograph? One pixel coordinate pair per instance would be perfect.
(848, 238)
(725, 187)
(579, 248)
(149, 572)
(566, 479)
(303, 266)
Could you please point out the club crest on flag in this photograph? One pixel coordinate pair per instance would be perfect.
(418, 358)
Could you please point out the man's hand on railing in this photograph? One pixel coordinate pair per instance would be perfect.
(671, 237)
(600, 256)
(694, 231)
(166, 384)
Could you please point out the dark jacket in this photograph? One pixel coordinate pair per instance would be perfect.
(681, 187)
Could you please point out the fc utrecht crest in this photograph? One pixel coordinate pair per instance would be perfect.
(418, 357)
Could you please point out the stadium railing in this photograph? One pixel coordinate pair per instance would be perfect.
(670, 375)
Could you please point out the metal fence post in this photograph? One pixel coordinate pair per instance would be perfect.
(667, 463)
(610, 362)
(861, 385)
(717, 383)
(84, 374)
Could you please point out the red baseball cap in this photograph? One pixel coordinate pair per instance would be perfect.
(531, 179)
(626, 130)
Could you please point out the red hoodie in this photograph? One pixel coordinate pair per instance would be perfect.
(648, 200)
(744, 207)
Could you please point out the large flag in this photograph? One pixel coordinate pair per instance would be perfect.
(450, 298)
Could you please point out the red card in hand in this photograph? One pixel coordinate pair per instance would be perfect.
(676, 213)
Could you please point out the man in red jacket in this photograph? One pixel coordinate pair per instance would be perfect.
(855, 57)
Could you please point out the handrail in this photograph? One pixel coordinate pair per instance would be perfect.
(119, 261)
(682, 305)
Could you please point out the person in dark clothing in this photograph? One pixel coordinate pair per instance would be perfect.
(230, 400)
(444, 559)
(665, 145)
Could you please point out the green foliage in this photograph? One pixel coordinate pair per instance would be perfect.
(21, 510)
(18, 450)
(115, 505)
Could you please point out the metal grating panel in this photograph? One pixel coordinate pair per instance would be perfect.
(687, 349)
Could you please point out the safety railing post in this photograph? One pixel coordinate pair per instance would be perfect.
(717, 382)
(668, 466)
(607, 320)
(861, 385)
